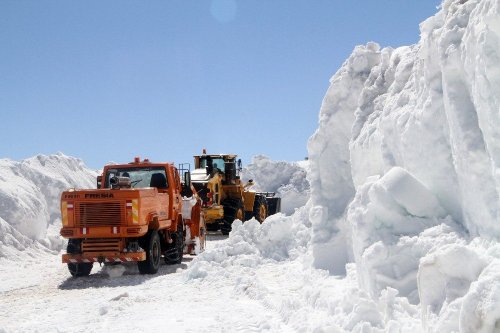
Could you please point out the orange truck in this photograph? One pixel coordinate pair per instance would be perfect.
(137, 214)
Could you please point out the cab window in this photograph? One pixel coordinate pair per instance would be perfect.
(140, 177)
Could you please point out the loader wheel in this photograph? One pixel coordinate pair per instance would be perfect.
(213, 226)
(233, 209)
(260, 208)
(80, 269)
(175, 251)
(151, 244)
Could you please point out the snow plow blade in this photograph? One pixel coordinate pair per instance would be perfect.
(273, 202)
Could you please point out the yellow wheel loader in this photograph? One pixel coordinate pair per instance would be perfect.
(225, 198)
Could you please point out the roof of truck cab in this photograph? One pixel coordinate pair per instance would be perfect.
(138, 165)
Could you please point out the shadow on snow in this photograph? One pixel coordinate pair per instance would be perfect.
(130, 277)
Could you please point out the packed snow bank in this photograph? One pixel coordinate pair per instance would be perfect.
(270, 263)
(13, 243)
(404, 169)
(458, 287)
(287, 179)
(30, 193)
(330, 174)
(250, 244)
(429, 109)
(392, 228)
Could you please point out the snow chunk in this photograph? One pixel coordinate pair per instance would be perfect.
(411, 194)
(395, 221)
(480, 311)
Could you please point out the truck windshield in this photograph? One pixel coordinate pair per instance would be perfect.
(139, 177)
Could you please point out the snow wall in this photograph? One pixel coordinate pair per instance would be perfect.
(404, 169)
(30, 192)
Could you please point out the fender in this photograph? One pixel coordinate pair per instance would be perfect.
(153, 221)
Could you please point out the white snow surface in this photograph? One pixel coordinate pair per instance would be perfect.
(30, 193)
(391, 225)
(287, 179)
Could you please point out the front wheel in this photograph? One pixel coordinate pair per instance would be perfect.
(233, 209)
(79, 269)
(151, 244)
(260, 209)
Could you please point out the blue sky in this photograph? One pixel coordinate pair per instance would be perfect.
(109, 80)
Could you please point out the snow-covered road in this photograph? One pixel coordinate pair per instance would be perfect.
(39, 295)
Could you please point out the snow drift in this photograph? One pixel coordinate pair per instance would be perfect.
(287, 179)
(30, 192)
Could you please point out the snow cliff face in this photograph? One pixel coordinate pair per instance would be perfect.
(30, 192)
(404, 168)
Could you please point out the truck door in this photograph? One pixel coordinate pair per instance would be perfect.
(160, 180)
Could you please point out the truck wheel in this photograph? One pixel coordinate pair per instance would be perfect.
(80, 269)
(175, 251)
(151, 244)
(233, 209)
(260, 210)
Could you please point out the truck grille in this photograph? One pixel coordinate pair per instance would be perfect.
(100, 245)
(99, 214)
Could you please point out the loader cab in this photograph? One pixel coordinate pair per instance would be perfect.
(226, 165)
(212, 164)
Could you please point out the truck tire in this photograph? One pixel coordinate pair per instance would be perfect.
(80, 269)
(233, 209)
(175, 251)
(260, 209)
(151, 244)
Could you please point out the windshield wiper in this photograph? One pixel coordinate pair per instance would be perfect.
(135, 182)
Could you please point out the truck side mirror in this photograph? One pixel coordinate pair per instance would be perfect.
(239, 164)
(99, 181)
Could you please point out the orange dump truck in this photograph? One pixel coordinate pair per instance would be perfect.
(136, 214)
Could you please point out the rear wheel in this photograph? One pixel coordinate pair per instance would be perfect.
(80, 269)
(233, 209)
(175, 251)
(260, 210)
(151, 244)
